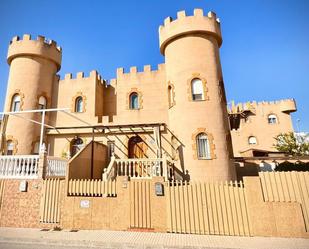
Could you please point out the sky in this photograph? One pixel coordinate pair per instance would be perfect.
(264, 55)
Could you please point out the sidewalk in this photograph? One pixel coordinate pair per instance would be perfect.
(118, 239)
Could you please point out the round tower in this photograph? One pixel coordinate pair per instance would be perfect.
(33, 68)
(197, 114)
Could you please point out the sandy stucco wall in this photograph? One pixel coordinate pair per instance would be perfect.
(20, 209)
(257, 125)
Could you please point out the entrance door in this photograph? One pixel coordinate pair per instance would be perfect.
(137, 147)
(76, 145)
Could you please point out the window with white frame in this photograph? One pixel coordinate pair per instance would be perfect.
(252, 140)
(42, 102)
(203, 148)
(133, 101)
(9, 147)
(15, 107)
(79, 104)
(197, 89)
(272, 119)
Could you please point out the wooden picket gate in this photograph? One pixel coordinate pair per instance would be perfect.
(92, 187)
(207, 208)
(140, 204)
(52, 190)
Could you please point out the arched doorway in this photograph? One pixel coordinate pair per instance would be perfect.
(136, 147)
(76, 145)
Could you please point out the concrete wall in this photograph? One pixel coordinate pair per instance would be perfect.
(269, 205)
(20, 209)
(272, 219)
(126, 211)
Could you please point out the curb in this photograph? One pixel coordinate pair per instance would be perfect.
(94, 244)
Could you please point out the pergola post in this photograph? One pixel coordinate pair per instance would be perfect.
(157, 137)
(42, 148)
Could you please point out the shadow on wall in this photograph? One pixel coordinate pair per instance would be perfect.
(246, 169)
(110, 103)
(89, 162)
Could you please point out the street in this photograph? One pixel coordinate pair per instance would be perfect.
(33, 238)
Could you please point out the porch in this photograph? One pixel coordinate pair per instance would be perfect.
(83, 159)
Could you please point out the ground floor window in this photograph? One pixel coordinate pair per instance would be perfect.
(203, 148)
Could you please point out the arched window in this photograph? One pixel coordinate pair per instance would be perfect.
(197, 89)
(252, 140)
(134, 101)
(76, 145)
(15, 107)
(42, 102)
(203, 148)
(272, 119)
(170, 96)
(9, 147)
(79, 104)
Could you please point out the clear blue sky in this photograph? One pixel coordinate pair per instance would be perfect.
(265, 51)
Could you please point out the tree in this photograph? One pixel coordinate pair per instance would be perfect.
(296, 145)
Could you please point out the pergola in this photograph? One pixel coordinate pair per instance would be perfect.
(102, 129)
(42, 123)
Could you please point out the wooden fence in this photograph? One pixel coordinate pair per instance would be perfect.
(287, 187)
(1, 190)
(207, 208)
(52, 190)
(87, 187)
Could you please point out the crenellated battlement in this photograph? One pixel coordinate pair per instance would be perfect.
(134, 70)
(39, 38)
(286, 105)
(196, 24)
(82, 76)
(40, 47)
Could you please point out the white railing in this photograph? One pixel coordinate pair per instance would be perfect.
(56, 166)
(109, 173)
(22, 166)
(140, 167)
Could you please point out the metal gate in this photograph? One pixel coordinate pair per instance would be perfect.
(52, 190)
(140, 204)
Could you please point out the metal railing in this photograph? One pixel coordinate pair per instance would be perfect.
(20, 167)
(139, 167)
(56, 166)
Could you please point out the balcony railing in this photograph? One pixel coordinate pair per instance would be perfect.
(19, 167)
(142, 168)
(56, 167)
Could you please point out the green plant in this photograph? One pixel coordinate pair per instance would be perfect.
(291, 144)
